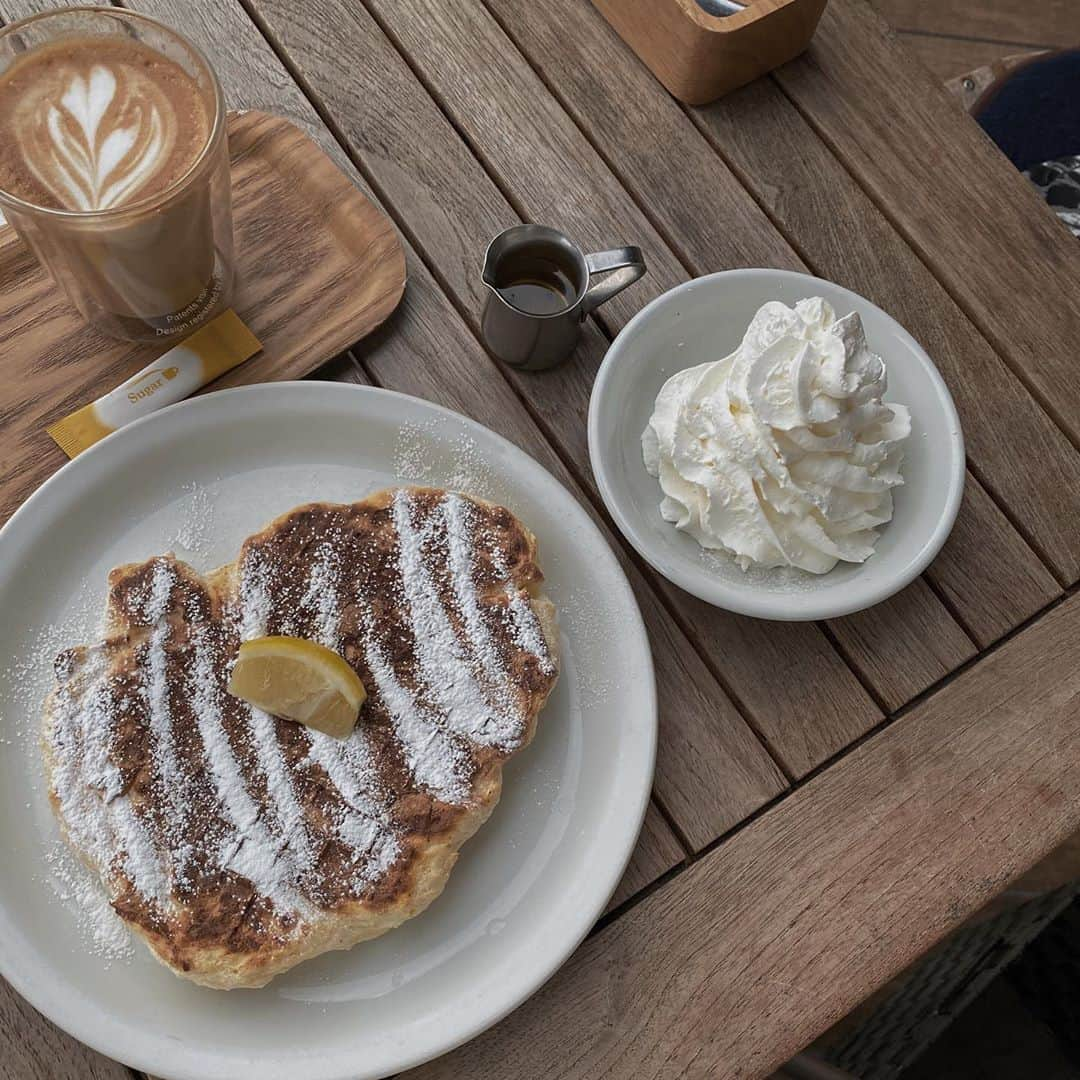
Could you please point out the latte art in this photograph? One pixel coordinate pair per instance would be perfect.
(114, 168)
(108, 134)
(91, 124)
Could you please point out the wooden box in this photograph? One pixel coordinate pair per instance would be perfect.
(700, 57)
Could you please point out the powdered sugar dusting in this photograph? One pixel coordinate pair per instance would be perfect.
(437, 762)
(281, 795)
(365, 826)
(155, 687)
(426, 455)
(251, 851)
(254, 596)
(82, 893)
(196, 532)
(322, 596)
(100, 821)
(255, 610)
(457, 521)
(447, 671)
(524, 625)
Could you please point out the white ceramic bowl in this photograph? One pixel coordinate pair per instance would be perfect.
(704, 320)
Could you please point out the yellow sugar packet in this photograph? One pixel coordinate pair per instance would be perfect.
(212, 350)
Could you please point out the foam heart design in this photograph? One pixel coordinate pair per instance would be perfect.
(95, 138)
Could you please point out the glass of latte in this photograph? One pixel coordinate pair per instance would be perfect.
(114, 168)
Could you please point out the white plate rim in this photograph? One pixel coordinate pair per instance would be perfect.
(163, 1062)
(714, 591)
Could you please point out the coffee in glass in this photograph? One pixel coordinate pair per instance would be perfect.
(114, 168)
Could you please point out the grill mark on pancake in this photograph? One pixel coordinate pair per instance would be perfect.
(364, 824)
(435, 759)
(280, 794)
(446, 670)
(105, 827)
(254, 601)
(254, 856)
(157, 696)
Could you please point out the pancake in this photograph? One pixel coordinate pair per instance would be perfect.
(238, 844)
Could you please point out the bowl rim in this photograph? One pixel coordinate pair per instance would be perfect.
(713, 590)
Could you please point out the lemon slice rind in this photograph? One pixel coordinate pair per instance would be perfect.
(300, 680)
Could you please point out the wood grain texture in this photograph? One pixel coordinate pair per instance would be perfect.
(31, 1048)
(1044, 22)
(944, 186)
(319, 266)
(391, 120)
(699, 57)
(657, 851)
(902, 665)
(426, 349)
(736, 963)
(995, 586)
(840, 235)
(526, 140)
(950, 58)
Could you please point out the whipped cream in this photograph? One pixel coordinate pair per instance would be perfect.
(782, 453)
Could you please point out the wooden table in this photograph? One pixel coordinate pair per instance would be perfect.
(830, 799)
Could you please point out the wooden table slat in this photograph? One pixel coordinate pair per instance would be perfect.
(949, 58)
(839, 234)
(658, 851)
(996, 586)
(745, 957)
(903, 665)
(1045, 23)
(974, 220)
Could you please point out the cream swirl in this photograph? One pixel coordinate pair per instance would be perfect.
(95, 136)
(782, 453)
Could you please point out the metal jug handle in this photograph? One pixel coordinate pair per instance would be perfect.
(621, 267)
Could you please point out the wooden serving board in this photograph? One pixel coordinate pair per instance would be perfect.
(319, 266)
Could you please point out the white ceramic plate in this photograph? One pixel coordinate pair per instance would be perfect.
(704, 320)
(196, 479)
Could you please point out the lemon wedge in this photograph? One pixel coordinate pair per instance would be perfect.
(300, 680)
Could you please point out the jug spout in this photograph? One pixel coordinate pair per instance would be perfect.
(487, 273)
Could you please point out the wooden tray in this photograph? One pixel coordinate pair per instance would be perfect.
(318, 268)
(698, 56)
